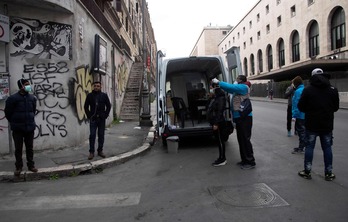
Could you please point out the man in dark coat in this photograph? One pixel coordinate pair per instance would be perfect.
(319, 101)
(20, 112)
(97, 108)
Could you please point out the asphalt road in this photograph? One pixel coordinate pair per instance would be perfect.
(159, 186)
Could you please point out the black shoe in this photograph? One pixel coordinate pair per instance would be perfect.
(247, 166)
(219, 162)
(298, 151)
(91, 156)
(101, 154)
(305, 174)
(18, 171)
(33, 169)
(240, 163)
(330, 176)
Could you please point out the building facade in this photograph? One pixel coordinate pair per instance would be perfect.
(280, 39)
(210, 37)
(61, 47)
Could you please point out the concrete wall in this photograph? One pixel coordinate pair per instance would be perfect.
(57, 58)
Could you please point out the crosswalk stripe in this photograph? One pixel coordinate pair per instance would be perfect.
(72, 201)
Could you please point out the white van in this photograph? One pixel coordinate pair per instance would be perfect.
(182, 86)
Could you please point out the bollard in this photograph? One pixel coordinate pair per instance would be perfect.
(173, 144)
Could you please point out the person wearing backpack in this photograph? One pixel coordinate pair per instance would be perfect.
(319, 101)
(243, 120)
(215, 116)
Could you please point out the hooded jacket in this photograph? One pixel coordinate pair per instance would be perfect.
(296, 113)
(216, 108)
(319, 101)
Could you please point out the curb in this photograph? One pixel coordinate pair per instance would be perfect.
(69, 170)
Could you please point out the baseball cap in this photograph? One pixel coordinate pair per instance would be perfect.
(317, 71)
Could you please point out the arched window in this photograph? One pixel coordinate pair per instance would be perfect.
(252, 64)
(260, 61)
(295, 47)
(281, 53)
(269, 58)
(338, 29)
(314, 39)
(246, 66)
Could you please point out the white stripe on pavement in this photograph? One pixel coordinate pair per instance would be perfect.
(73, 201)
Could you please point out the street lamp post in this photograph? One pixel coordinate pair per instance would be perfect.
(145, 116)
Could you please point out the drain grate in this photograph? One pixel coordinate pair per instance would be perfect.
(254, 195)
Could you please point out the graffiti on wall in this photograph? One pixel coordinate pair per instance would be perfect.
(32, 38)
(52, 96)
(82, 85)
(47, 87)
(2, 117)
(121, 82)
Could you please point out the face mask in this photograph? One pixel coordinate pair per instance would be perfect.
(27, 88)
(211, 91)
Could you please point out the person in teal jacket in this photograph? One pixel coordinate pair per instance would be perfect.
(298, 116)
(244, 125)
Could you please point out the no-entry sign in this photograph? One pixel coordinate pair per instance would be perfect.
(4, 28)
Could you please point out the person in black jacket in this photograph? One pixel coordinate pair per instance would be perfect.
(215, 115)
(319, 101)
(20, 111)
(97, 108)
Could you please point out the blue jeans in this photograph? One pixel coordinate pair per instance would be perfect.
(94, 125)
(301, 132)
(326, 145)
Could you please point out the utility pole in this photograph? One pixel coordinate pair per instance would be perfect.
(145, 116)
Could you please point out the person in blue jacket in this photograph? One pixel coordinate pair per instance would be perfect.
(241, 91)
(298, 116)
(20, 111)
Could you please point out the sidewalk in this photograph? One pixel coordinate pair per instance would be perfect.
(123, 141)
(343, 105)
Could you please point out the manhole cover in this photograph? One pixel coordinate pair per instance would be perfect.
(255, 195)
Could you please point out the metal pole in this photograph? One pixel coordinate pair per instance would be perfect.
(145, 117)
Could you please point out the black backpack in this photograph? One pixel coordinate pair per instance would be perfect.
(245, 108)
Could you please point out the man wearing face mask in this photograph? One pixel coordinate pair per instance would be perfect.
(244, 125)
(20, 112)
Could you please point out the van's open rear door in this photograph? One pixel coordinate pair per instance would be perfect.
(160, 94)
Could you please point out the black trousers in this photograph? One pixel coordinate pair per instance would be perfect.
(289, 117)
(28, 138)
(220, 137)
(243, 128)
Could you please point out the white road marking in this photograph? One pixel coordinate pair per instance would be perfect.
(68, 202)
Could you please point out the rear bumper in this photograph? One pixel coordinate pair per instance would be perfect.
(185, 133)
